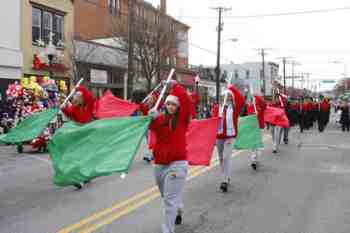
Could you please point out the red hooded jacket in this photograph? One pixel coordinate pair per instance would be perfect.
(260, 107)
(239, 103)
(171, 143)
(82, 114)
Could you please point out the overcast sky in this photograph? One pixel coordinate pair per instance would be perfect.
(314, 40)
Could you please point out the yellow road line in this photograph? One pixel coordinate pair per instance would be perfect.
(115, 207)
(121, 213)
(129, 209)
(132, 203)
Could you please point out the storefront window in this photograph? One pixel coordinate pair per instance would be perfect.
(36, 25)
(44, 22)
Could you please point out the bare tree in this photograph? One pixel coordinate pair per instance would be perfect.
(156, 42)
(79, 51)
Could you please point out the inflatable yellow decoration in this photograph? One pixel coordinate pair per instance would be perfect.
(63, 86)
(25, 82)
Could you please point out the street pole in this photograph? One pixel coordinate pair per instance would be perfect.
(263, 71)
(131, 47)
(217, 69)
(293, 64)
(262, 75)
(284, 76)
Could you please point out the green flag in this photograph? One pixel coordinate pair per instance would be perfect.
(82, 152)
(30, 128)
(249, 134)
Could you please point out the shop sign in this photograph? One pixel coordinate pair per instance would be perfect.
(98, 76)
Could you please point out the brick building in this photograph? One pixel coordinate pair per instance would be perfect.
(96, 20)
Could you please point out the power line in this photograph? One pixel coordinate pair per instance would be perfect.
(292, 13)
(209, 51)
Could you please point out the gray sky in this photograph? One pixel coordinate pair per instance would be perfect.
(315, 40)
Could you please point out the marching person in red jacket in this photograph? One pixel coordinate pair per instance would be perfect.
(80, 110)
(323, 113)
(276, 130)
(170, 156)
(260, 105)
(227, 132)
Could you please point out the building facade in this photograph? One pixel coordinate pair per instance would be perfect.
(103, 67)
(250, 74)
(11, 57)
(44, 21)
(105, 21)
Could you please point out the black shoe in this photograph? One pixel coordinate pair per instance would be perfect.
(286, 142)
(148, 160)
(254, 166)
(178, 220)
(224, 187)
(274, 151)
(78, 186)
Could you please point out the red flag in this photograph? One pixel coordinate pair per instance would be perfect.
(276, 116)
(201, 139)
(109, 106)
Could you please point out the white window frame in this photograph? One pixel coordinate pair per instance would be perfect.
(40, 24)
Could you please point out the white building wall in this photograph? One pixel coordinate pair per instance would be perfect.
(254, 69)
(11, 58)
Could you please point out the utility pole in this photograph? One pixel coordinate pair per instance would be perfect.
(130, 77)
(263, 53)
(294, 63)
(217, 69)
(284, 61)
(284, 76)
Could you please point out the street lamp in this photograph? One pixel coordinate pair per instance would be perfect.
(230, 39)
(51, 52)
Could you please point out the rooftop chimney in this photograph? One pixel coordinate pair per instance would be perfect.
(163, 6)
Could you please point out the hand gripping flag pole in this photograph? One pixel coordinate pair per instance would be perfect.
(225, 97)
(72, 93)
(172, 71)
(151, 93)
(253, 97)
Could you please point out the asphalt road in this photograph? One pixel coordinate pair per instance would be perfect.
(303, 189)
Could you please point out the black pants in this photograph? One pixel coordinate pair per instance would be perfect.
(285, 135)
(346, 126)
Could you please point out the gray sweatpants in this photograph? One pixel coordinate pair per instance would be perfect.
(224, 147)
(254, 155)
(276, 132)
(171, 180)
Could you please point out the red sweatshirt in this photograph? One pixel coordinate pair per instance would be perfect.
(239, 103)
(325, 106)
(82, 114)
(171, 143)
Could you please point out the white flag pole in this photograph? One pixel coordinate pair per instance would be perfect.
(172, 71)
(252, 94)
(72, 93)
